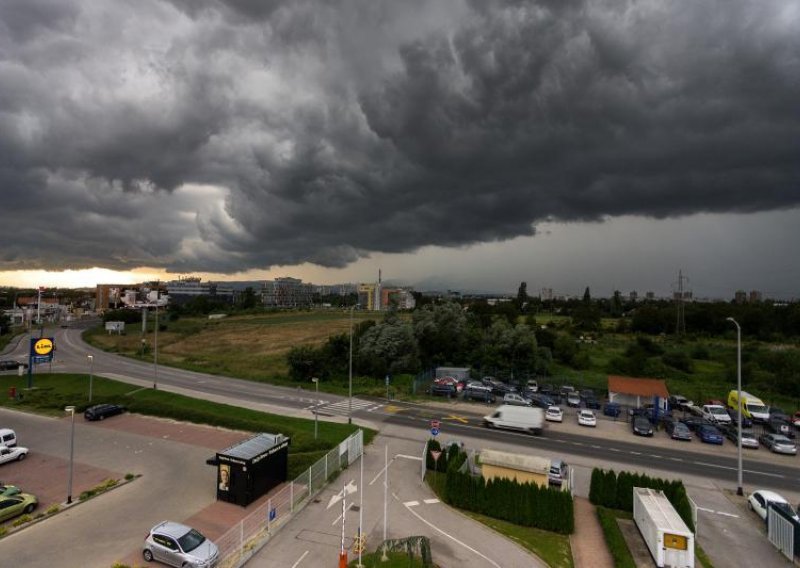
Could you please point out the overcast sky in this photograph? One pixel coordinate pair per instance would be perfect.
(462, 144)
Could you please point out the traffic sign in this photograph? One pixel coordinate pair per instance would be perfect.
(434, 431)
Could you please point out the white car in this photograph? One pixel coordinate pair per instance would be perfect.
(587, 418)
(757, 501)
(12, 454)
(554, 414)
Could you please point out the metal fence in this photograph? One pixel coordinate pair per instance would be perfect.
(248, 536)
(781, 531)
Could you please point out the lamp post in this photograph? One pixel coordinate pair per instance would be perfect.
(739, 490)
(71, 410)
(91, 374)
(350, 373)
(155, 350)
(315, 380)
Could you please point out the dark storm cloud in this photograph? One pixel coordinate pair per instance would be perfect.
(222, 136)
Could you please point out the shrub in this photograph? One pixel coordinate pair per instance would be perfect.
(3, 532)
(22, 520)
(53, 509)
(614, 539)
(129, 476)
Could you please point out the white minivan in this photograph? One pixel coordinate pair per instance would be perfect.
(524, 418)
(8, 437)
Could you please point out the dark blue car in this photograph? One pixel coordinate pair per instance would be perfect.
(612, 409)
(709, 434)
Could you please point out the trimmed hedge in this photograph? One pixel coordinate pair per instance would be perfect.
(524, 504)
(615, 491)
(614, 539)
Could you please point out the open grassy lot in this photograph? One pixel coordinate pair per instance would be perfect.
(53, 392)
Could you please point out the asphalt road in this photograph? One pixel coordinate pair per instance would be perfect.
(764, 471)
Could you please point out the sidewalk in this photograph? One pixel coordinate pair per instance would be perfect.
(589, 548)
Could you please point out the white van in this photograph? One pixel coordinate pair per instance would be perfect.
(524, 418)
(8, 437)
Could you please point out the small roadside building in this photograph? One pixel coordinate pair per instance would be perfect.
(249, 469)
(516, 467)
(636, 393)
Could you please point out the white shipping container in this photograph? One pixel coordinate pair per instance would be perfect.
(669, 540)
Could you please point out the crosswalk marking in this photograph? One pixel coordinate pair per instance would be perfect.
(343, 407)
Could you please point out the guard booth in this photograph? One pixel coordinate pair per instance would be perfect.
(249, 469)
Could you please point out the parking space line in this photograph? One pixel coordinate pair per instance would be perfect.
(411, 503)
(339, 518)
(299, 560)
(430, 501)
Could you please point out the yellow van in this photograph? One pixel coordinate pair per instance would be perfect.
(752, 407)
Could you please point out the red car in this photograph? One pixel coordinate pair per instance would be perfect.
(715, 401)
(796, 419)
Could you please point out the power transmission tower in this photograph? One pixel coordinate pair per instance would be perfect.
(680, 295)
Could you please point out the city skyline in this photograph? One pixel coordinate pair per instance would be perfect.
(455, 144)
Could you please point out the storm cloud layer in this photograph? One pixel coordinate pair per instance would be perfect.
(227, 135)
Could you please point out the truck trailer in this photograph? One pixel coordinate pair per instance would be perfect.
(669, 540)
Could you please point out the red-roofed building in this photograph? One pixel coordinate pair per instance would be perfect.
(635, 392)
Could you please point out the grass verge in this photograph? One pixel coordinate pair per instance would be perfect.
(702, 557)
(554, 549)
(614, 539)
(53, 392)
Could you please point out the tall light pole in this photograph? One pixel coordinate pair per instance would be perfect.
(315, 380)
(71, 410)
(350, 382)
(155, 350)
(91, 374)
(739, 490)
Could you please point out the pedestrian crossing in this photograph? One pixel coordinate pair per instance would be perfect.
(342, 407)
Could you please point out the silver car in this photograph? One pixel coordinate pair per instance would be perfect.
(778, 444)
(178, 545)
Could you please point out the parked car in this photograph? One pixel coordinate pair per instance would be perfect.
(749, 439)
(574, 400)
(12, 454)
(565, 390)
(709, 434)
(554, 414)
(587, 393)
(796, 419)
(478, 392)
(533, 385)
(587, 418)
(778, 444)
(9, 490)
(612, 409)
(716, 413)
(641, 426)
(757, 501)
(694, 422)
(11, 365)
(779, 426)
(746, 422)
(515, 399)
(443, 389)
(677, 430)
(714, 402)
(179, 545)
(679, 402)
(501, 389)
(102, 411)
(591, 402)
(542, 401)
(558, 472)
(776, 412)
(14, 505)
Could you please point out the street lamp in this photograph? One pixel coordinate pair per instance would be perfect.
(350, 382)
(315, 380)
(739, 490)
(91, 374)
(71, 410)
(155, 350)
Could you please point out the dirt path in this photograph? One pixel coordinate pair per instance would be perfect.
(589, 548)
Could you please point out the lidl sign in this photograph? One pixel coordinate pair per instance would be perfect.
(42, 349)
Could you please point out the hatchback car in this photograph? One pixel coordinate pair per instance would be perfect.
(9, 490)
(102, 411)
(641, 426)
(749, 439)
(515, 399)
(478, 392)
(178, 545)
(12, 454)
(677, 430)
(778, 444)
(558, 473)
(573, 399)
(554, 414)
(758, 501)
(709, 434)
(11, 506)
(587, 418)
(443, 389)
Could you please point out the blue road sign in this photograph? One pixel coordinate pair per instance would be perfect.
(273, 513)
(434, 431)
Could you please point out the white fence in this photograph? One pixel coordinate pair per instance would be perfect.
(780, 532)
(248, 536)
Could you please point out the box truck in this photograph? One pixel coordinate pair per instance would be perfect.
(751, 406)
(524, 418)
(669, 540)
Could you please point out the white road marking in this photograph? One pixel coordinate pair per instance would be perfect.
(339, 518)
(299, 560)
(377, 475)
(411, 503)
(430, 501)
(454, 539)
(727, 514)
(635, 453)
(416, 458)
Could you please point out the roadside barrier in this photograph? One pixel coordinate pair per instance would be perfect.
(249, 535)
